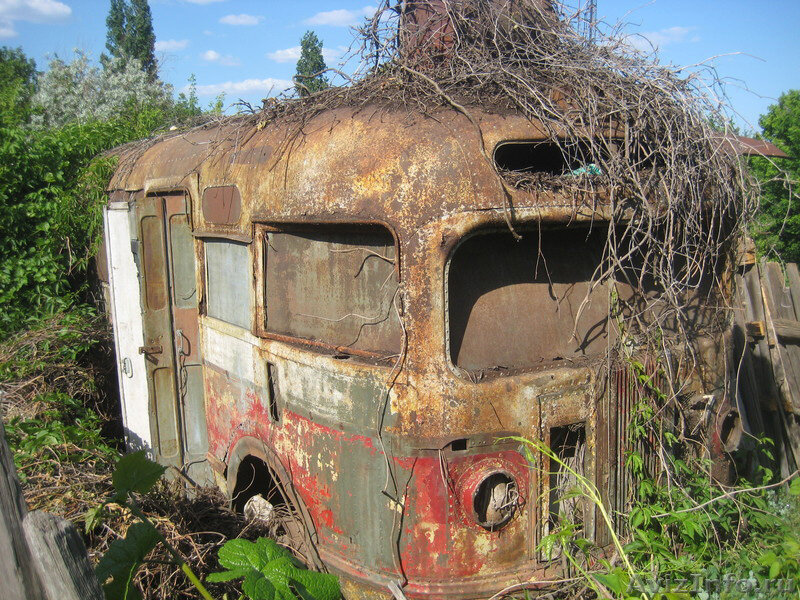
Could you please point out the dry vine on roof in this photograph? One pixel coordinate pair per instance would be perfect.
(634, 131)
(640, 140)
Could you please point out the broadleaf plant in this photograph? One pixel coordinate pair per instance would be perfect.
(270, 572)
(135, 473)
(123, 559)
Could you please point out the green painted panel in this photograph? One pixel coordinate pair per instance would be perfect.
(168, 440)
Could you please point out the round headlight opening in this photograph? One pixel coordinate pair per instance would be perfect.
(495, 500)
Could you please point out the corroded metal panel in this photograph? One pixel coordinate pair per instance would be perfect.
(387, 453)
(335, 285)
(222, 205)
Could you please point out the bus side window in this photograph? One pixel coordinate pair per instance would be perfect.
(228, 282)
(334, 284)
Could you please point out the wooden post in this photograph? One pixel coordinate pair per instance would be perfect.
(19, 579)
(42, 557)
(60, 557)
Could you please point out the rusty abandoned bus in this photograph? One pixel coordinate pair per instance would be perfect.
(354, 316)
(351, 322)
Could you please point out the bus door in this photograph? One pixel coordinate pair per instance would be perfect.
(172, 348)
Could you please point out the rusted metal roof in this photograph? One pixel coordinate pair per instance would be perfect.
(747, 146)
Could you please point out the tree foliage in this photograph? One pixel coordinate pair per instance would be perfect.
(130, 34)
(777, 228)
(80, 92)
(17, 85)
(311, 62)
(51, 190)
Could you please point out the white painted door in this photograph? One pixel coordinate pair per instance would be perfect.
(126, 314)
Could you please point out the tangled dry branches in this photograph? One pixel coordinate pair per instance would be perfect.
(678, 194)
(67, 354)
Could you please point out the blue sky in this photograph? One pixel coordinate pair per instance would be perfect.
(248, 48)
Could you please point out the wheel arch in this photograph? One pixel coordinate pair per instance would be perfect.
(250, 447)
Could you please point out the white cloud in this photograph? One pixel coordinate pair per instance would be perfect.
(222, 59)
(34, 11)
(233, 88)
(7, 29)
(171, 45)
(340, 17)
(241, 19)
(285, 55)
(293, 54)
(664, 37)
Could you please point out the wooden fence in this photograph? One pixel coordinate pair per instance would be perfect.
(767, 344)
(42, 557)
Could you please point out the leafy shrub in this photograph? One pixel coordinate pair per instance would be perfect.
(116, 88)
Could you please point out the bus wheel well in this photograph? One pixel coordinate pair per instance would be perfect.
(254, 477)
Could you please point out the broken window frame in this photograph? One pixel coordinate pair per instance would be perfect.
(262, 330)
(477, 375)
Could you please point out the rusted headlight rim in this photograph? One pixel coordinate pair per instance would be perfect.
(489, 480)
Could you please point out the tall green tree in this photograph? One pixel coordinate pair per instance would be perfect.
(309, 65)
(115, 28)
(777, 228)
(17, 85)
(130, 34)
(141, 38)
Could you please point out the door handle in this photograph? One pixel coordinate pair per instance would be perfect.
(127, 367)
(180, 336)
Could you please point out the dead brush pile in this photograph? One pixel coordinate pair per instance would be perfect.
(675, 192)
(65, 354)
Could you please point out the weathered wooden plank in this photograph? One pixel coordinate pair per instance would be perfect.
(788, 332)
(754, 311)
(19, 579)
(793, 275)
(769, 359)
(748, 391)
(785, 365)
(768, 392)
(60, 557)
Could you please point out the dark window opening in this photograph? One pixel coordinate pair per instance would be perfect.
(566, 503)
(458, 445)
(547, 157)
(518, 304)
(274, 414)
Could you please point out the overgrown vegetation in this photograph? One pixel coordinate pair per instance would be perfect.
(684, 539)
(56, 359)
(777, 228)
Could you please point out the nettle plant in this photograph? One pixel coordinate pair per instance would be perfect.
(269, 572)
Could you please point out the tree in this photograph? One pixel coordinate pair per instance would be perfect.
(777, 228)
(78, 92)
(115, 28)
(17, 85)
(141, 39)
(130, 34)
(310, 63)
